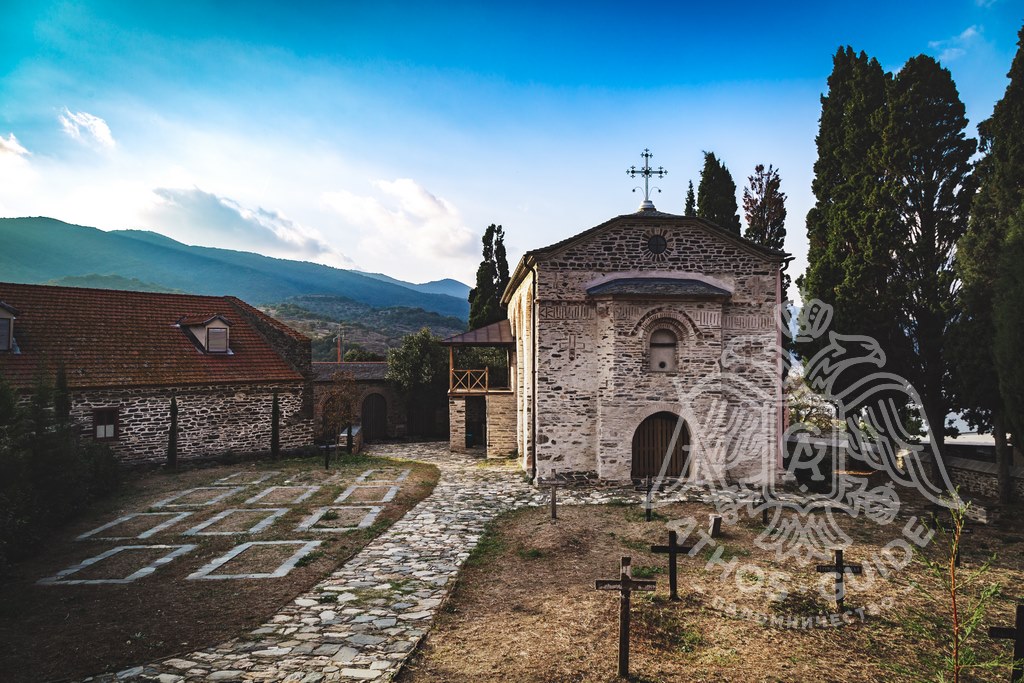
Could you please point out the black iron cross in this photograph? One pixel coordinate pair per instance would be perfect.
(553, 484)
(625, 584)
(1016, 634)
(646, 172)
(672, 549)
(840, 569)
(647, 499)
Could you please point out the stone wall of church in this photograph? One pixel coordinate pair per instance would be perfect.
(594, 386)
(520, 315)
(501, 425)
(457, 424)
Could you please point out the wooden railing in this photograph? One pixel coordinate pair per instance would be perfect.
(468, 381)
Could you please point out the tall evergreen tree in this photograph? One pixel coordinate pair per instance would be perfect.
(716, 194)
(691, 202)
(926, 161)
(1009, 319)
(764, 207)
(492, 277)
(850, 228)
(981, 329)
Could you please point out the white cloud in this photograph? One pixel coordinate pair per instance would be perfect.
(210, 220)
(86, 128)
(10, 145)
(985, 3)
(405, 217)
(953, 48)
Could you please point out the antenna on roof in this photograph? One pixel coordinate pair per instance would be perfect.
(646, 172)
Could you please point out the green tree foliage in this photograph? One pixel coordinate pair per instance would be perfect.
(361, 355)
(1009, 319)
(716, 194)
(976, 334)
(764, 207)
(47, 475)
(691, 202)
(492, 277)
(852, 244)
(927, 185)
(419, 369)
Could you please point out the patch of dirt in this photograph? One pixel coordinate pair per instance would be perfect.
(68, 632)
(238, 521)
(119, 565)
(526, 608)
(367, 494)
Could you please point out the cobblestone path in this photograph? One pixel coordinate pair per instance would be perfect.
(361, 622)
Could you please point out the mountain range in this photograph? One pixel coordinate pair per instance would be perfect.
(48, 251)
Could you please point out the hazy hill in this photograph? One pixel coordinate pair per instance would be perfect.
(111, 282)
(40, 250)
(445, 286)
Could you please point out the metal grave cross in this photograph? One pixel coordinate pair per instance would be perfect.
(672, 550)
(625, 584)
(1016, 634)
(646, 172)
(840, 569)
(553, 483)
(647, 498)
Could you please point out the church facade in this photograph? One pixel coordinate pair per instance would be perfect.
(647, 345)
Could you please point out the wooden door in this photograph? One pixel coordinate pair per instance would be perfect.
(651, 443)
(374, 418)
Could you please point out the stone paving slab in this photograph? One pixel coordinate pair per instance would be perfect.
(62, 578)
(175, 517)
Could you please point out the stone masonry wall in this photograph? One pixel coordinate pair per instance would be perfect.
(594, 386)
(520, 316)
(501, 424)
(396, 417)
(457, 423)
(211, 420)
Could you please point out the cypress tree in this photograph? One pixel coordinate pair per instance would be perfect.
(716, 194)
(982, 352)
(172, 437)
(691, 202)
(926, 162)
(275, 427)
(492, 277)
(764, 207)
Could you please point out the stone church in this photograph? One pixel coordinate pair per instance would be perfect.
(647, 345)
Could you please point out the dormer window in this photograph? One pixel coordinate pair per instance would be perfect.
(211, 333)
(7, 316)
(216, 340)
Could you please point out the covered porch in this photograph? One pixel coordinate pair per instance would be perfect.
(481, 398)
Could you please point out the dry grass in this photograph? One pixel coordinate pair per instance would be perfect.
(526, 608)
(61, 632)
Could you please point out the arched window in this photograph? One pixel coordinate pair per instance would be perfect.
(663, 351)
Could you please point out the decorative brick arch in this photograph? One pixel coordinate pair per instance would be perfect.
(667, 316)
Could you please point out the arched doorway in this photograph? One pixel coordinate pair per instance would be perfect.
(651, 443)
(374, 418)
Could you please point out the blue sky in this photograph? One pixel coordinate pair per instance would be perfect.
(386, 136)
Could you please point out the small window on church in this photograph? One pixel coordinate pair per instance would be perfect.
(663, 351)
(217, 340)
(104, 423)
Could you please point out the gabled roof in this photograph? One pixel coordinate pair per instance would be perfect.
(196, 319)
(10, 309)
(537, 255)
(657, 287)
(361, 371)
(112, 338)
(495, 334)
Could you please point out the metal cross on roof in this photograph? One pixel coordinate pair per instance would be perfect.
(646, 172)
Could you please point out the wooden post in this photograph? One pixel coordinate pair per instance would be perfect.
(626, 584)
(715, 526)
(553, 484)
(451, 368)
(1016, 634)
(647, 499)
(840, 569)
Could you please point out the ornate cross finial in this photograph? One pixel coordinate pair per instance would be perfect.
(646, 172)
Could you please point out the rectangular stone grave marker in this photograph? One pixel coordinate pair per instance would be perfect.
(199, 496)
(672, 550)
(625, 585)
(552, 484)
(61, 578)
(1016, 634)
(349, 518)
(245, 478)
(382, 477)
(265, 517)
(840, 569)
(361, 494)
(206, 572)
(283, 495)
(132, 523)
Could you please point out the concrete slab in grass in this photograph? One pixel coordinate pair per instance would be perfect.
(205, 495)
(175, 517)
(366, 514)
(206, 572)
(245, 478)
(273, 514)
(388, 495)
(302, 493)
(381, 477)
(61, 578)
